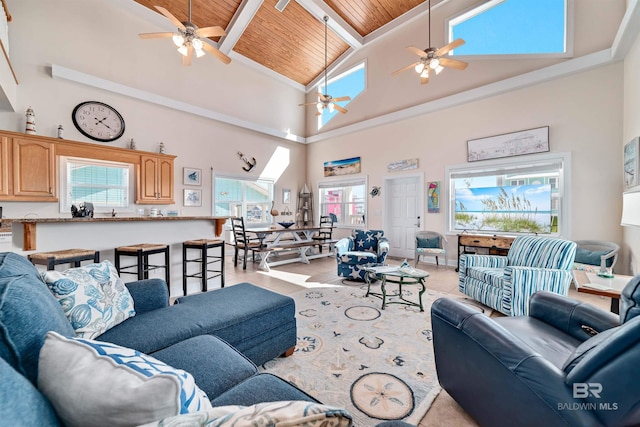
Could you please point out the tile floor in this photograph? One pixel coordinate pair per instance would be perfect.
(290, 278)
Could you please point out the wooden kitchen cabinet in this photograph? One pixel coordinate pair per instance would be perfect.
(33, 170)
(155, 180)
(4, 166)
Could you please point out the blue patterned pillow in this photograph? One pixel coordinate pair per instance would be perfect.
(93, 383)
(367, 240)
(93, 297)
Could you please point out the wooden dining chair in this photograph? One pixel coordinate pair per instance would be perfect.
(242, 241)
(325, 233)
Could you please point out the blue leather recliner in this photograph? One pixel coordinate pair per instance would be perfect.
(564, 364)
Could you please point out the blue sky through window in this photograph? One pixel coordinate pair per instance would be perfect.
(350, 83)
(513, 27)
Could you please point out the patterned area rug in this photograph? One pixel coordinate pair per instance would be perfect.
(378, 364)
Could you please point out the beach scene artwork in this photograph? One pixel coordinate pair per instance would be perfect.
(517, 208)
(510, 144)
(403, 165)
(342, 167)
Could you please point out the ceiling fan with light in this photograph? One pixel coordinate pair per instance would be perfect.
(433, 60)
(326, 101)
(188, 38)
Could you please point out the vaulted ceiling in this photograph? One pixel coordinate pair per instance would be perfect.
(291, 42)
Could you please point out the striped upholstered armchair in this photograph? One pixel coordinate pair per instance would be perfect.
(505, 283)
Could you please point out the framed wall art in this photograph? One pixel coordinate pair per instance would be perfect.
(528, 141)
(192, 197)
(631, 156)
(286, 195)
(192, 176)
(433, 197)
(342, 167)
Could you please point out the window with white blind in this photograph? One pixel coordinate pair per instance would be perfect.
(345, 201)
(108, 185)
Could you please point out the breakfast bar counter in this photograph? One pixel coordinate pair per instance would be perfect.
(29, 224)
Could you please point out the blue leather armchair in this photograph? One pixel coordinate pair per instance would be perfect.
(565, 364)
(361, 249)
(505, 283)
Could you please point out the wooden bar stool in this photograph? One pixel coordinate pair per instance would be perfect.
(204, 259)
(142, 267)
(73, 257)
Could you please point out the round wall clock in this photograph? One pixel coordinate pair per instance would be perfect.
(98, 121)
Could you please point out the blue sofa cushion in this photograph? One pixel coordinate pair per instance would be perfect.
(585, 256)
(261, 388)
(426, 242)
(12, 264)
(28, 311)
(199, 354)
(22, 404)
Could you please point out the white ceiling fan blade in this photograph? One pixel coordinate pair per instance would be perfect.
(170, 17)
(417, 51)
(408, 67)
(339, 108)
(155, 35)
(453, 63)
(215, 52)
(447, 48)
(210, 32)
(186, 59)
(342, 98)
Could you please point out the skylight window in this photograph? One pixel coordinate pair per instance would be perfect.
(512, 27)
(350, 83)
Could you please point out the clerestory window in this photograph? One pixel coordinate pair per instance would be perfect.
(513, 27)
(350, 83)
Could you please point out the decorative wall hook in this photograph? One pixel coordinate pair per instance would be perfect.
(250, 164)
(375, 191)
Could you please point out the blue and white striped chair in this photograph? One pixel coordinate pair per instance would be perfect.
(362, 249)
(505, 283)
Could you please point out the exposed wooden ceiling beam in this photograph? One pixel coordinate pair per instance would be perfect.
(319, 9)
(238, 24)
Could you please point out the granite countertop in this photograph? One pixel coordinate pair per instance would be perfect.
(112, 219)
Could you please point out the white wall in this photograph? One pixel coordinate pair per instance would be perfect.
(583, 112)
(631, 240)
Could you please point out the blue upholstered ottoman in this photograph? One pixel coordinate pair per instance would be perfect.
(259, 323)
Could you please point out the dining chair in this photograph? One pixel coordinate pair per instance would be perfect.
(241, 241)
(325, 232)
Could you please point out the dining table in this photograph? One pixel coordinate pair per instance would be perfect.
(278, 241)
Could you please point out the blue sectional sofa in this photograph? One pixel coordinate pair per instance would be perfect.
(215, 338)
(183, 336)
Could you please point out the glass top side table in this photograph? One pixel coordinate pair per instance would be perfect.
(397, 275)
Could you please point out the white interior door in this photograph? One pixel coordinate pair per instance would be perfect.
(403, 213)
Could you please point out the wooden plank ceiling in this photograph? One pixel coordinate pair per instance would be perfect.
(290, 42)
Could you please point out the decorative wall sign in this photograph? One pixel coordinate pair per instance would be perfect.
(403, 165)
(433, 197)
(631, 162)
(192, 176)
(509, 144)
(342, 167)
(192, 197)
